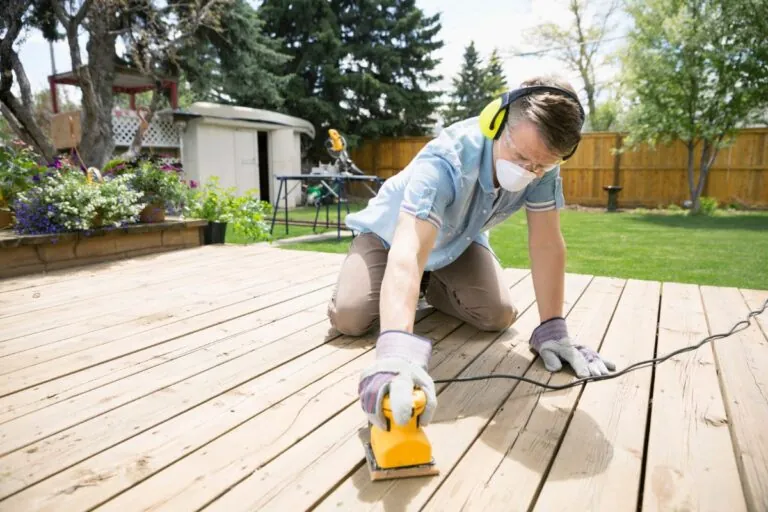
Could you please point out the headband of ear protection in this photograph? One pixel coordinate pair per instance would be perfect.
(494, 115)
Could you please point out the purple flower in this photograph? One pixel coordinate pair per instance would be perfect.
(32, 216)
(192, 184)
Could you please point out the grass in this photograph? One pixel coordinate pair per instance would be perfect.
(726, 249)
(722, 250)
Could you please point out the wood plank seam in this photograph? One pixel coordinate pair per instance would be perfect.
(59, 276)
(151, 312)
(135, 433)
(573, 409)
(195, 330)
(439, 388)
(69, 293)
(502, 433)
(217, 364)
(512, 389)
(88, 291)
(746, 401)
(129, 266)
(265, 324)
(156, 353)
(229, 483)
(491, 354)
(613, 457)
(649, 411)
(20, 342)
(270, 405)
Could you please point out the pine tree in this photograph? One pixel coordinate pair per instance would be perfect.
(495, 81)
(388, 66)
(239, 65)
(469, 94)
(361, 67)
(310, 34)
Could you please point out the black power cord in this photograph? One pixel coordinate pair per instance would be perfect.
(628, 369)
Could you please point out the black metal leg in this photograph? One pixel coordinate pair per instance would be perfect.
(286, 208)
(277, 206)
(338, 211)
(317, 214)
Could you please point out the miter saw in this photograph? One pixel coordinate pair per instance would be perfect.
(336, 146)
(342, 164)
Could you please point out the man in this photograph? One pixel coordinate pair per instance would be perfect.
(434, 216)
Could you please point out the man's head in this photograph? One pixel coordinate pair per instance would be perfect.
(541, 128)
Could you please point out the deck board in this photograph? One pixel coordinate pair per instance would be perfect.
(219, 385)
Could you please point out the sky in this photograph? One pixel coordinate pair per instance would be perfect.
(489, 23)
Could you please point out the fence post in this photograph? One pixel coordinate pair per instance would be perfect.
(614, 189)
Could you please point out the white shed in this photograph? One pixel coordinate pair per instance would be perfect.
(245, 147)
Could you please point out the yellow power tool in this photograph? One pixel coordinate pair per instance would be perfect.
(402, 451)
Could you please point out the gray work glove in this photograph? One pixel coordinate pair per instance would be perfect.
(401, 364)
(551, 341)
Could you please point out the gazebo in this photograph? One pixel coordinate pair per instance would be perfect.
(161, 133)
(127, 81)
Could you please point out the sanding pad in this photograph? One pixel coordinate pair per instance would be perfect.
(379, 473)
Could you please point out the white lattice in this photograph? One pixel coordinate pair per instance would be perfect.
(161, 132)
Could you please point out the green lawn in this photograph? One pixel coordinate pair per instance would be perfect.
(728, 249)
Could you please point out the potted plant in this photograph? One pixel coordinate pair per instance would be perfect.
(212, 203)
(223, 207)
(160, 189)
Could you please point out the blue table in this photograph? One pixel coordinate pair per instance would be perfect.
(334, 183)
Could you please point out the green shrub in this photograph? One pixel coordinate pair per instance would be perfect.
(19, 171)
(708, 205)
(246, 213)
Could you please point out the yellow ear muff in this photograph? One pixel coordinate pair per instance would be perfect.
(492, 118)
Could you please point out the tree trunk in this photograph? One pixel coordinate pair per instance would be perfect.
(19, 111)
(708, 154)
(691, 168)
(96, 79)
(144, 122)
(98, 142)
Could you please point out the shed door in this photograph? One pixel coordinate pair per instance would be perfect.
(246, 160)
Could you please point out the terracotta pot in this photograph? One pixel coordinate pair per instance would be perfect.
(153, 212)
(6, 218)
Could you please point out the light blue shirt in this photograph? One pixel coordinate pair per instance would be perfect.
(450, 184)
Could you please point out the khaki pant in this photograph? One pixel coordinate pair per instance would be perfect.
(472, 289)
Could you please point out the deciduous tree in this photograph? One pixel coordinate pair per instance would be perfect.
(696, 71)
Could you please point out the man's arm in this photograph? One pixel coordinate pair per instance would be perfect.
(402, 358)
(546, 248)
(413, 241)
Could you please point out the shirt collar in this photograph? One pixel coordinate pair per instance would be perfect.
(486, 167)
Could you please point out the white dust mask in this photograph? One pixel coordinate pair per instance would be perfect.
(511, 176)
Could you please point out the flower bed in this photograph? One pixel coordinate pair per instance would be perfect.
(26, 254)
(63, 214)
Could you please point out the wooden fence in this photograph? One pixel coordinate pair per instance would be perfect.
(649, 177)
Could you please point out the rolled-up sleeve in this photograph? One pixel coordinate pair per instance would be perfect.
(547, 194)
(429, 190)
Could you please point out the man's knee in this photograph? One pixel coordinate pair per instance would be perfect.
(352, 319)
(498, 317)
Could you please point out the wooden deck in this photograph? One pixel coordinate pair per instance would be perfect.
(209, 379)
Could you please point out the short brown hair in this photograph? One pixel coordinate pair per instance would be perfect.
(558, 117)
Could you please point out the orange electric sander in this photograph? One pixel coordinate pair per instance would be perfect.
(401, 451)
